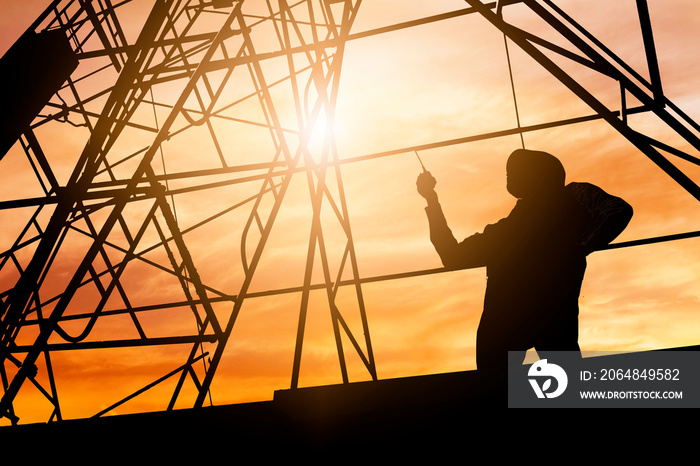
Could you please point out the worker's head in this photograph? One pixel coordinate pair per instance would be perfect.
(532, 174)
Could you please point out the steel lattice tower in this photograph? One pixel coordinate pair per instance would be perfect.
(230, 75)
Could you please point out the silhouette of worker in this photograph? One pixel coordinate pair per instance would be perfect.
(535, 258)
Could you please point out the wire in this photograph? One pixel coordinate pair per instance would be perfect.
(512, 86)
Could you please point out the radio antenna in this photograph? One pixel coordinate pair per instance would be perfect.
(419, 160)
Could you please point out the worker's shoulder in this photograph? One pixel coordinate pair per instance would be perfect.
(583, 191)
(595, 199)
(580, 186)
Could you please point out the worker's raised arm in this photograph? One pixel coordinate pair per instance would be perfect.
(453, 254)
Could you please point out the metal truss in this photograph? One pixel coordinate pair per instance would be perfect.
(208, 74)
(593, 54)
(135, 103)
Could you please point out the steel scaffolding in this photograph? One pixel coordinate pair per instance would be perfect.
(223, 73)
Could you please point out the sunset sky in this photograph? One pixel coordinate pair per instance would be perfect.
(410, 88)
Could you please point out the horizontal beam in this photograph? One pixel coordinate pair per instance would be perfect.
(182, 340)
(299, 289)
(146, 192)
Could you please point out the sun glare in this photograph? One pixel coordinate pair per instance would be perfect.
(320, 137)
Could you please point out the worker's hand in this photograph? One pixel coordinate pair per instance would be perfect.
(426, 186)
